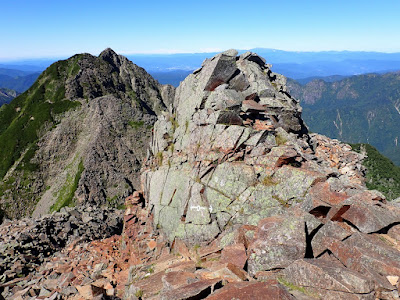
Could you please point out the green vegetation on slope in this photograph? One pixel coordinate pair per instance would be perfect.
(358, 109)
(22, 119)
(67, 192)
(382, 174)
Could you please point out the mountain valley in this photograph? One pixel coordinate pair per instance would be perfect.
(357, 109)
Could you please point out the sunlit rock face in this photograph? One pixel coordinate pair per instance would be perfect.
(234, 150)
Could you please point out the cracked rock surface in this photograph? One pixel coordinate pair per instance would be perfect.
(234, 153)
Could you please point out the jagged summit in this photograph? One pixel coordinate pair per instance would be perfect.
(243, 84)
(113, 58)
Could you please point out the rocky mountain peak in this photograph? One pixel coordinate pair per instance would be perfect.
(78, 135)
(112, 58)
(108, 53)
(234, 150)
(243, 86)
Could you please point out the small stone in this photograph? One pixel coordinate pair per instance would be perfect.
(152, 244)
(393, 280)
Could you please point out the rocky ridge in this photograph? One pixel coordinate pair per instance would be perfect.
(239, 200)
(90, 146)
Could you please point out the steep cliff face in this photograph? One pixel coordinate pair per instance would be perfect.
(79, 134)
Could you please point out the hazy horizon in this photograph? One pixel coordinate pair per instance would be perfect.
(54, 29)
(58, 57)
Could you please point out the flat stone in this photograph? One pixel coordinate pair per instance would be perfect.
(197, 290)
(321, 274)
(393, 280)
(368, 217)
(330, 231)
(252, 106)
(225, 271)
(234, 254)
(269, 290)
(280, 240)
(89, 291)
(150, 286)
(176, 279)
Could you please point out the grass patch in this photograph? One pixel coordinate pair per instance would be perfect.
(67, 192)
(293, 287)
(280, 140)
(139, 294)
(174, 122)
(268, 181)
(159, 157)
(136, 124)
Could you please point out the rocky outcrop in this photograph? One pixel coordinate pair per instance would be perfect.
(233, 165)
(91, 153)
(234, 150)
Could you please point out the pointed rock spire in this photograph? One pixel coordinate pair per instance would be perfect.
(111, 57)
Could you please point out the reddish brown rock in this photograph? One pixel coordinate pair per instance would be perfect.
(234, 254)
(225, 271)
(322, 197)
(196, 290)
(150, 286)
(331, 231)
(180, 248)
(176, 279)
(152, 244)
(326, 278)
(262, 125)
(370, 218)
(269, 290)
(89, 291)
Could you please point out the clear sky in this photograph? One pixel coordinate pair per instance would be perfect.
(57, 28)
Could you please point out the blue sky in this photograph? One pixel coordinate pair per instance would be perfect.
(32, 29)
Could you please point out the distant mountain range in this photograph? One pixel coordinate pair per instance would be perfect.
(290, 63)
(17, 80)
(357, 109)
